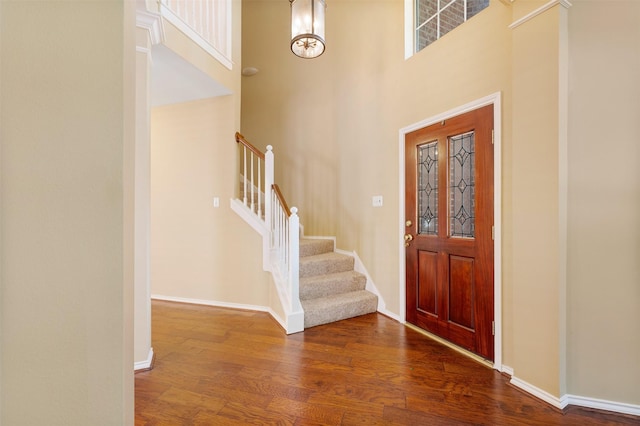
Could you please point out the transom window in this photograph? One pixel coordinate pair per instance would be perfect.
(435, 18)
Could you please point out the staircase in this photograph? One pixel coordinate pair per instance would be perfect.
(330, 289)
(315, 285)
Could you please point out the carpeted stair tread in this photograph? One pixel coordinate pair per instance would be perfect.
(314, 246)
(330, 289)
(325, 263)
(326, 284)
(336, 307)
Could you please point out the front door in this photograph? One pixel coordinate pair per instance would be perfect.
(449, 221)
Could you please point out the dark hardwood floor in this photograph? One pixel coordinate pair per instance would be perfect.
(219, 366)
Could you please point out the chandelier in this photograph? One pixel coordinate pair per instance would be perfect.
(307, 28)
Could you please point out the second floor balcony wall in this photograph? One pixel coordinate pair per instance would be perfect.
(207, 22)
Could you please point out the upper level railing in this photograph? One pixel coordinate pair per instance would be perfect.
(281, 240)
(253, 176)
(207, 22)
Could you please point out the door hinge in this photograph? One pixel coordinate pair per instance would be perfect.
(493, 232)
(493, 136)
(493, 328)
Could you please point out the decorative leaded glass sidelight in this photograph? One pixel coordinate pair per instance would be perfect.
(462, 191)
(428, 188)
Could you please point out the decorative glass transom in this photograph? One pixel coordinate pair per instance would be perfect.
(435, 18)
(428, 188)
(462, 191)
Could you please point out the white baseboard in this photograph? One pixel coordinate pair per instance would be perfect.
(390, 314)
(358, 266)
(297, 318)
(211, 303)
(506, 370)
(601, 404)
(579, 401)
(146, 364)
(545, 396)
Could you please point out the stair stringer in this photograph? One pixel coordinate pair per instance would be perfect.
(248, 216)
(291, 321)
(294, 319)
(358, 266)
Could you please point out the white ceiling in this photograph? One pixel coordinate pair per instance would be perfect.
(174, 80)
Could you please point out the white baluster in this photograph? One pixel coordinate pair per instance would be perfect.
(294, 259)
(259, 189)
(244, 175)
(252, 183)
(268, 185)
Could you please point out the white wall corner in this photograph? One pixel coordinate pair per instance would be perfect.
(152, 22)
(541, 394)
(146, 363)
(506, 370)
(565, 400)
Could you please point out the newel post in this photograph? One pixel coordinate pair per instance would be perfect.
(267, 237)
(294, 259)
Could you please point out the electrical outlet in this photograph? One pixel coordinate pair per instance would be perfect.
(216, 202)
(376, 201)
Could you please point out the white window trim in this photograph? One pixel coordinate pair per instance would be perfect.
(409, 32)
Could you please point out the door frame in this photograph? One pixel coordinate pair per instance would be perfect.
(495, 100)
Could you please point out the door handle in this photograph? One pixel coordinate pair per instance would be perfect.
(407, 239)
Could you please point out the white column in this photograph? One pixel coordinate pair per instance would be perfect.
(143, 352)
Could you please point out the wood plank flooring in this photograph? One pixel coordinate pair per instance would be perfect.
(218, 366)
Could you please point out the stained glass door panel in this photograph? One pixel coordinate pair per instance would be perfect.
(449, 215)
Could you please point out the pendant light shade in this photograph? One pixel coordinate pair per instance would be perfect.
(307, 28)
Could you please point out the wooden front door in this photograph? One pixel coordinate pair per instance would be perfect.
(449, 221)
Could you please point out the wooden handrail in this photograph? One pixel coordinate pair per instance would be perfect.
(283, 202)
(243, 141)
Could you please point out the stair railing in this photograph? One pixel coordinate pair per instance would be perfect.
(281, 235)
(285, 247)
(253, 175)
(205, 22)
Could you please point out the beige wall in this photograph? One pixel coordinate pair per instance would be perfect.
(334, 122)
(536, 239)
(199, 251)
(604, 201)
(1, 222)
(66, 126)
